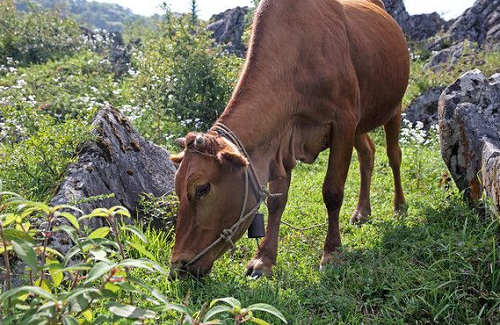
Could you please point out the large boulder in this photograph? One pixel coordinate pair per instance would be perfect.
(480, 23)
(424, 108)
(469, 127)
(417, 27)
(491, 171)
(465, 52)
(228, 28)
(116, 169)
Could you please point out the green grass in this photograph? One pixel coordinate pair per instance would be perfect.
(437, 264)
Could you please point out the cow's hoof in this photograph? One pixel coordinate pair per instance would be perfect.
(400, 209)
(360, 216)
(256, 269)
(329, 260)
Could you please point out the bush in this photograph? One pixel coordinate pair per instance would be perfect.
(37, 36)
(93, 282)
(179, 75)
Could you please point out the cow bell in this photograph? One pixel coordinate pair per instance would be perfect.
(257, 229)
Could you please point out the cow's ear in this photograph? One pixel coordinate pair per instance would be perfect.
(232, 157)
(181, 142)
(177, 159)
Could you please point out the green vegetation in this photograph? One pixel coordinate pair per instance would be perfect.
(438, 263)
(91, 14)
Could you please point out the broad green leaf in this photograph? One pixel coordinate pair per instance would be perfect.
(137, 263)
(259, 321)
(178, 308)
(141, 249)
(98, 271)
(45, 285)
(13, 234)
(67, 207)
(216, 310)
(71, 232)
(111, 287)
(99, 233)
(88, 315)
(228, 300)
(25, 252)
(132, 312)
(120, 210)
(8, 218)
(268, 309)
(136, 232)
(70, 320)
(68, 216)
(71, 253)
(38, 205)
(27, 289)
(97, 213)
(49, 250)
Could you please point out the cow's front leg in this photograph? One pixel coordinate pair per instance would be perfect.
(341, 145)
(263, 261)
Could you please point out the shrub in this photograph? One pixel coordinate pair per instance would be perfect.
(36, 36)
(179, 75)
(94, 281)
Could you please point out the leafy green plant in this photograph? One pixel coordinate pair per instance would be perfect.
(230, 306)
(93, 273)
(158, 210)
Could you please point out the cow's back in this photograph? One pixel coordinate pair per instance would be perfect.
(381, 59)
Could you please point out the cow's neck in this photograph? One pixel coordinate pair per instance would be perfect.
(261, 125)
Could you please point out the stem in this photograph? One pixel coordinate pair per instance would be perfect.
(112, 221)
(7, 262)
(45, 244)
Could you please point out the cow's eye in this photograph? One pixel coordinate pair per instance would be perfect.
(202, 190)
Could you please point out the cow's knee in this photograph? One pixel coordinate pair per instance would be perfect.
(333, 197)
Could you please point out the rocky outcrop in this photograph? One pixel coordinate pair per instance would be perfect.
(480, 23)
(469, 127)
(228, 28)
(491, 171)
(421, 27)
(116, 169)
(462, 52)
(417, 27)
(425, 108)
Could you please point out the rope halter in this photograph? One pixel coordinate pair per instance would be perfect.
(251, 181)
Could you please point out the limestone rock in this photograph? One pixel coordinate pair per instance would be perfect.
(480, 23)
(425, 108)
(228, 28)
(116, 169)
(469, 116)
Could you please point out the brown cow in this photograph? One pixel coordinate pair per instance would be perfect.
(319, 74)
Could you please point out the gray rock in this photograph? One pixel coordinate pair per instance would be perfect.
(445, 59)
(490, 171)
(480, 23)
(425, 108)
(120, 163)
(228, 28)
(469, 116)
(417, 27)
(116, 169)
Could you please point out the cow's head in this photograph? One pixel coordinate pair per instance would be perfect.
(210, 184)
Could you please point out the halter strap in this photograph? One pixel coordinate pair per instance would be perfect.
(251, 180)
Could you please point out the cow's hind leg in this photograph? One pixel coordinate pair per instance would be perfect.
(265, 257)
(341, 145)
(394, 153)
(366, 156)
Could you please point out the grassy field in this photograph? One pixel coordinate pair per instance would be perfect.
(437, 264)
